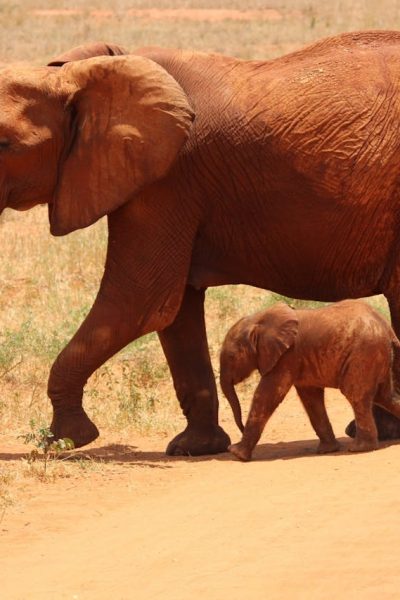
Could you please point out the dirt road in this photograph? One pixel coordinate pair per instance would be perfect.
(290, 525)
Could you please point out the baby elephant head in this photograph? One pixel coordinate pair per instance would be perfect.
(255, 342)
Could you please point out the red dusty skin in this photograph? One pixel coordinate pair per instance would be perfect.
(212, 171)
(229, 390)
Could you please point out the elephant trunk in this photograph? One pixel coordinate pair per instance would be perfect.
(229, 390)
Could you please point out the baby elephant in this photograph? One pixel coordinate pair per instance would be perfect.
(346, 345)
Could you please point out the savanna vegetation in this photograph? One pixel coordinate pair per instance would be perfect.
(47, 285)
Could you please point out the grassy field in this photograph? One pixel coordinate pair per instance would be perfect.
(47, 285)
(27, 33)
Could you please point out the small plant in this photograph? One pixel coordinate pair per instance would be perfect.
(45, 445)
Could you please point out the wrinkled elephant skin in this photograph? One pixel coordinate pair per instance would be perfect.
(280, 174)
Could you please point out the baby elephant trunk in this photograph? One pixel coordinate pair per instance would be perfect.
(229, 390)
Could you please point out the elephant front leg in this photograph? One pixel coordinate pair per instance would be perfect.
(270, 392)
(106, 330)
(185, 346)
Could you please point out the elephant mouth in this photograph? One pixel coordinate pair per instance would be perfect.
(4, 196)
(20, 205)
(23, 206)
(51, 212)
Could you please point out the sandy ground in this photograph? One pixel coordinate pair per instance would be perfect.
(289, 525)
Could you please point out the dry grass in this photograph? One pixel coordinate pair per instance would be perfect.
(47, 285)
(26, 35)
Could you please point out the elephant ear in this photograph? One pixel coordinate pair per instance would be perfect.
(130, 119)
(272, 335)
(87, 51)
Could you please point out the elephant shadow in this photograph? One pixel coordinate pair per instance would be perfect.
(117, 454)
(125, 453)
(122, 454)
(305, 448)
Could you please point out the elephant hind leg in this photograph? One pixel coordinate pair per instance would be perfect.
(185, 347)
(385, 399)
(386, 412)
(366, 437)
(312, 399)
(388, 423)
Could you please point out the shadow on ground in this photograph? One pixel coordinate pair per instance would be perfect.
(125, 453)
(120, 453)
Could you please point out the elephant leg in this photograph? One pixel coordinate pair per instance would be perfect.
(388, 425)
(184, 343)
(312, 399)
(106, 330)
(141, 291)
(366, 438)
(269, 394)
(388, 402)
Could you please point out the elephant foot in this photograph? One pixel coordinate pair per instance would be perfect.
(351, 429)
(241, 451)
(388, 425)
(326, 447)
(363, 445)
(74, 424)
(195, 442)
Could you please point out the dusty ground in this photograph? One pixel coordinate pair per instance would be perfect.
(288, 525)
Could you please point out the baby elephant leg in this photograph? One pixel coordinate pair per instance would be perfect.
(388, 399)
(269, 394)
(366, 432)
(312, 399)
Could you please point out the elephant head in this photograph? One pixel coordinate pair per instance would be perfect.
(87, 51)
(255, 342)
(86, 137)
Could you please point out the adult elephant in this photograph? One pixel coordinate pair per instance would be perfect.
(212, 170)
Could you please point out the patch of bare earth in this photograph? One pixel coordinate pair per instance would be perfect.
(290, 524)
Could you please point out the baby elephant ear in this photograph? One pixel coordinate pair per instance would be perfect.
(87, 51)
(274, 333)
(130, 119)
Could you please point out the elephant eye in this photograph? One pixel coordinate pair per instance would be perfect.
(4, 143)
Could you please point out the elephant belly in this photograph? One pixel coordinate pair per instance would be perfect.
(330, 257)
(202, 276)
(316, 373)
